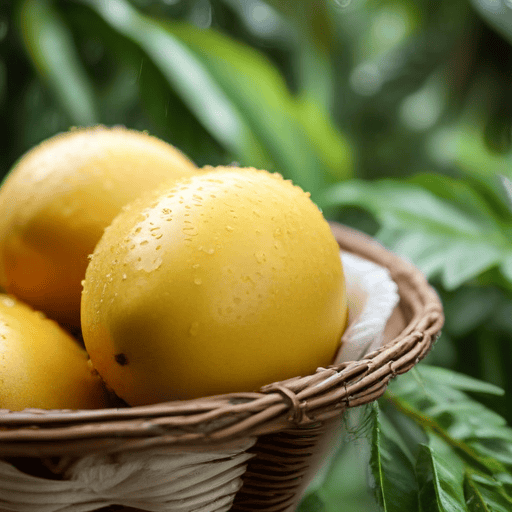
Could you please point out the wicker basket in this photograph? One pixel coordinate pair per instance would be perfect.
(266, 446)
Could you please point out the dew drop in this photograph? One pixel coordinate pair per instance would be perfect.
(190, 230)
(8, 302)
(261, 257)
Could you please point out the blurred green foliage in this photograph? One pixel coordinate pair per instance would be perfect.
(395, 115)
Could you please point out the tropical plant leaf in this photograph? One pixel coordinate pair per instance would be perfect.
(466, 463)
(312, 502)
(466, 259)
(297, 132)
(430, 227)
(469, 195)
(463, 146)
(52, 50)
(471, 306)
(401, 205)
(238, 96)
(479, 435)
(485, 494)
(457, 380)
(440, 476)
(497, 445)
(394, 483)
(435, 394)
(187, 75)
(497, 14)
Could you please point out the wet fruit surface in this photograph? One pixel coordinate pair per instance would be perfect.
(41, 365)
(58, 199)
(225, 282)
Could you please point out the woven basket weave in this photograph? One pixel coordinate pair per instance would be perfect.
(284, 428)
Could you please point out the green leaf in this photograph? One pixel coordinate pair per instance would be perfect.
(394, 483)
(297, 132)
(435, 233)
(187, 75)
(507, 185)
(440, 476)
(405, 206)
(466, 259)
(466, 463)
(469, 307)
(457, 380)
(426, 250)
(485, 494)
(506, 266)
(312, 502)
(498, 15)
(238, 96)
(499, 448)
(447, 410)
(453, 416)
(52, 49)
(462, 146)
(467, 194)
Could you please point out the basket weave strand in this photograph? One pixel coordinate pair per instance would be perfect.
(289, 419)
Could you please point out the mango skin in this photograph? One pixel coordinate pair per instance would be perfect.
(57, 200)
(41, 365)
(227, 281)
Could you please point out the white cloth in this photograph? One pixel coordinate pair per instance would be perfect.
(151, 480)
(372, 297)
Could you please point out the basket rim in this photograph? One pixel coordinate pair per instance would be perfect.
(297, 402)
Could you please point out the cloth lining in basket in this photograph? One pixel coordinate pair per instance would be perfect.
(152, 480)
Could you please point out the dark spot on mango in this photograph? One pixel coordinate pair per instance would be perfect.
(121, 359)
